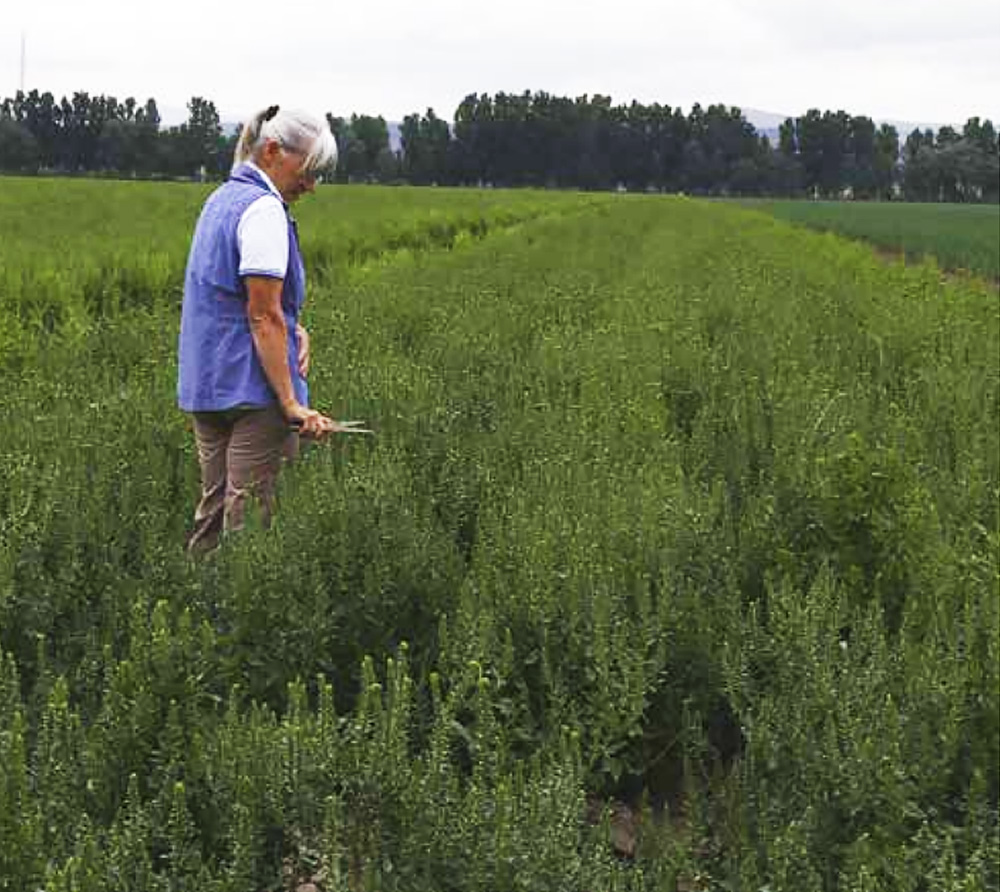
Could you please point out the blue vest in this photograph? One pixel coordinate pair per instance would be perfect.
(218, 365)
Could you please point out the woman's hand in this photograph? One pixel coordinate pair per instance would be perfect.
(303, 338)
(308, 422)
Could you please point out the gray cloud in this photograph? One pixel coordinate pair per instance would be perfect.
(919, 59)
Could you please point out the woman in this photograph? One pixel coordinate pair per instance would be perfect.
(243, 354)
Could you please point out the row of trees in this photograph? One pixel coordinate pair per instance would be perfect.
(99, 133)
(953, 166)
(536, 139)
(833, 151)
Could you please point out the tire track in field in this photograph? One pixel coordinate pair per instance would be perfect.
(323, 263)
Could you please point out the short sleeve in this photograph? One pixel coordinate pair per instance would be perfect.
(262, 234)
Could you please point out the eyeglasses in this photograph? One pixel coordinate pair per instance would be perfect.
(311, 176)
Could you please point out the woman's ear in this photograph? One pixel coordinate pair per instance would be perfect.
(271, 151)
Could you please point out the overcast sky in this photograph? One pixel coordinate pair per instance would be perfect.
(910, 60)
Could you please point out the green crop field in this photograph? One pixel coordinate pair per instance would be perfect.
(958, 236)
(673, 563)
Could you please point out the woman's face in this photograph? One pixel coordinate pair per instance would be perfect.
(285, 167)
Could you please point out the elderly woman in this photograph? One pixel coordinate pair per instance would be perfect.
(244, 355)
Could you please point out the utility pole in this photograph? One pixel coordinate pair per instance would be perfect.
(22, 61)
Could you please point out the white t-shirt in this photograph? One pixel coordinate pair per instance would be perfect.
(262, 234)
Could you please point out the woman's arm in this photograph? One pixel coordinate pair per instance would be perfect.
(270, 339)
(270, 336)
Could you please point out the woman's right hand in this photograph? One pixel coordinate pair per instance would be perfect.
(308, 422)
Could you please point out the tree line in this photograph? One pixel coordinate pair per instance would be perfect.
(100, 134)
(535, 139)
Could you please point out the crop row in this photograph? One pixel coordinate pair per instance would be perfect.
(77, 252)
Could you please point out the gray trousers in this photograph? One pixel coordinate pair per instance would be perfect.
(240, 452)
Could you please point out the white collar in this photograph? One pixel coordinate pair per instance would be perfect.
(266, 179)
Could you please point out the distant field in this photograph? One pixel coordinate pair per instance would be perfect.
(960, 236)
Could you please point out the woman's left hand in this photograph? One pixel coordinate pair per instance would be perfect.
(303, 338)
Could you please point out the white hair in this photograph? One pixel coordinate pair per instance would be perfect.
(295, 130)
